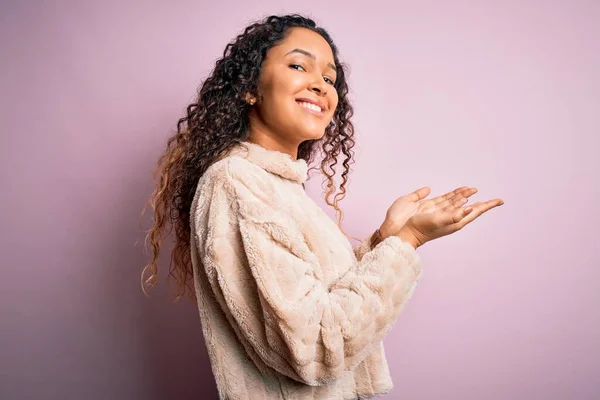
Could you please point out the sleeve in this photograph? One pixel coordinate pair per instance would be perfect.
(272, 292)
(365, 246)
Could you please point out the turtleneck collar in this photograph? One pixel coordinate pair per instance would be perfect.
(273, 161)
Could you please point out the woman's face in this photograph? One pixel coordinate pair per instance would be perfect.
(297, 71)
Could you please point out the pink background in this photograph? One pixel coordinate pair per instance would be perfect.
(504, 96)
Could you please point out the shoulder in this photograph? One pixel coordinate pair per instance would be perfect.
(240, 178)
(251, 192)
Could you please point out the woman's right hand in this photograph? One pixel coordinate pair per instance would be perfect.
(424, 227)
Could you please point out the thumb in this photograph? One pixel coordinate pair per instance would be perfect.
(419, 194)
(451, 217)
(459, 214)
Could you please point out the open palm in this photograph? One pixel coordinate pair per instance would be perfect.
(424, 227)
(405, 207)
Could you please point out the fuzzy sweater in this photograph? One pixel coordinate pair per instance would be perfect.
(288, 308)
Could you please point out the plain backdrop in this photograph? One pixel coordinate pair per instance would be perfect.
(501, 95)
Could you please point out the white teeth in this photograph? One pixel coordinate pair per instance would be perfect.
(310, 106)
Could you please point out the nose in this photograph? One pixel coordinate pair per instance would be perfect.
(318, 87)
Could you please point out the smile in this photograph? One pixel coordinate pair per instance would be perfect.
(311, 108)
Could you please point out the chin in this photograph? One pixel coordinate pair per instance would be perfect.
(314, 135)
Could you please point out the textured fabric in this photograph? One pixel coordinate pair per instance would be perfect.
(289, 309)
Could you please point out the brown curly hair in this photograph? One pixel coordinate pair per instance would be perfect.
(216, 121)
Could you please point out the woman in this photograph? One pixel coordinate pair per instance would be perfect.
(289, 309)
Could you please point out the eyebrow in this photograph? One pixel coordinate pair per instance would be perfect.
(311, 55)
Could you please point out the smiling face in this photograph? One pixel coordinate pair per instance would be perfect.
(297, 96)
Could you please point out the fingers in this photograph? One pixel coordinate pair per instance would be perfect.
(447, 221)
(444, 197)
(457, 199)
(452, 203)
(419, 194)
(460, 214)
(478, 209)
(455, 219)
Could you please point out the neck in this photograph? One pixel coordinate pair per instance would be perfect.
(268, 139)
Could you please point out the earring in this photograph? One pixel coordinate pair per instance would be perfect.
(250, 99)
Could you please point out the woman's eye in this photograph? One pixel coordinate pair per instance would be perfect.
(296, 66)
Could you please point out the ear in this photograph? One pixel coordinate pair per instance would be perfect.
(250, 99)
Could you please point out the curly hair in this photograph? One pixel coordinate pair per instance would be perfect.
(216, 121)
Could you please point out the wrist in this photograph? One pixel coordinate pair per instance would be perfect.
(385, 230)
(376, 238)
(407, 237)
(380, 234)
(404, 234)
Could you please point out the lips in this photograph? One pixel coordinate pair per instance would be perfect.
(311, 109)
(311, 101)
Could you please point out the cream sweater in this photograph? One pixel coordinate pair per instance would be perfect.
(289, 310)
